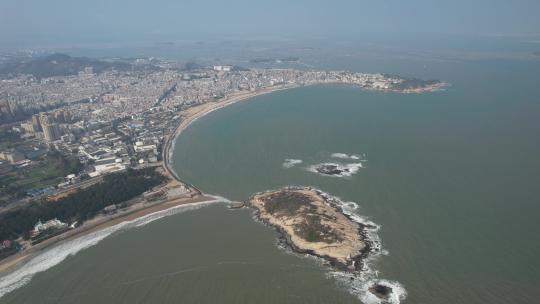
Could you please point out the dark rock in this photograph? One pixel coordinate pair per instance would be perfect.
(381, 291)
(330, 169)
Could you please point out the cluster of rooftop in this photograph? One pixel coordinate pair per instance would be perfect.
(114, 120)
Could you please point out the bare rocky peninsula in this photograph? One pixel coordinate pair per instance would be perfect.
(311, 223)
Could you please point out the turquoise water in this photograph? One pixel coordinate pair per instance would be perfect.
(452, 178)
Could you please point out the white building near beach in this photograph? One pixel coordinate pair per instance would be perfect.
(54, 223)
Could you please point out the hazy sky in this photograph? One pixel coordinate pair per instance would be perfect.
(50, 21)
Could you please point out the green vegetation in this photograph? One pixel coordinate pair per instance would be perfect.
(67, 164)
(287, 202)
(312, 230)
(48, 171)
(9, 139)
(80, 206)
(6, 251)
(291, 203)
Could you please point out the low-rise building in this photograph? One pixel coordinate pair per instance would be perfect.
(54, 223)
(110, 209)
(107, 168)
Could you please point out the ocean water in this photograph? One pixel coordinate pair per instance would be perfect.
(450, 177)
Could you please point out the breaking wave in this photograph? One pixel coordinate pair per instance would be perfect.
(59, 252)
(345, 156)
(358, 283)
(291, 162)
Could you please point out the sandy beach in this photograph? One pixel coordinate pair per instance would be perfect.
(192, 114)
(137, 206)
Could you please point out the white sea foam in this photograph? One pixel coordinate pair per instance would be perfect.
(347, 170)
(170, 158)
(358, 283)
(345, 156)
(291, 162)
(53, 256)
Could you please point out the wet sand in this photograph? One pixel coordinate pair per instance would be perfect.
(138, 208)
(192, 114)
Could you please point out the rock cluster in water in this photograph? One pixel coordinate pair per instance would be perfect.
(331, 169)
(381, 291)
(310, 223)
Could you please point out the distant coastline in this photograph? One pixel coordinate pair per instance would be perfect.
(192, 114)
(141, 208)
(193, 194)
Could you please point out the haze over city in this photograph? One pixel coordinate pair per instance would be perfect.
(34, 22)
(375, 152)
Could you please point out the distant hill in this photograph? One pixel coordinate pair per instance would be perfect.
(60, 65)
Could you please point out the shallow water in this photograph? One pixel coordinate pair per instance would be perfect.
(451, 177)
(196, 257)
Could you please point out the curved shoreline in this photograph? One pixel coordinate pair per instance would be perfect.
(194, 195)
(58, 250)
(192, 114)
(100, 222)
(352, 262)
(365, 282)
(188, 116)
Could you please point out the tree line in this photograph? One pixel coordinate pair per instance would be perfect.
(82, 205)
